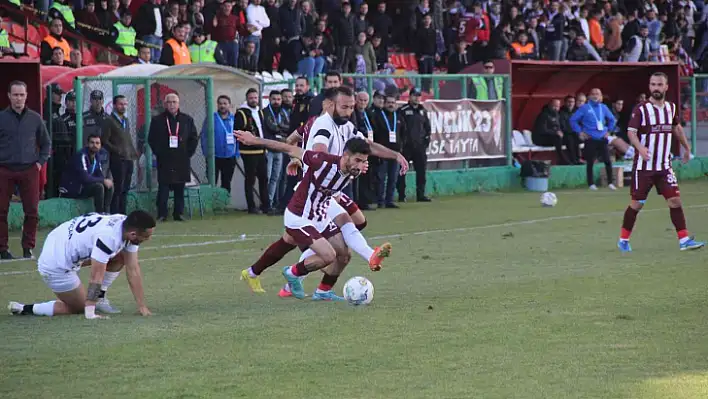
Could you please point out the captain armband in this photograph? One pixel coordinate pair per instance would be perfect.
(93, 293)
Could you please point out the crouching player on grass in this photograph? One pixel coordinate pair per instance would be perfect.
(98, 238)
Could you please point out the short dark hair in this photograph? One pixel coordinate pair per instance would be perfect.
(331, 93)
(225, 97)
(333, 73)
(16, 83)
(661, 74)
(274, 93)
(286, 90)
(569, 97)
(118, 97)
(93, 136)
(345, 91)
(57, 48)
(139, 221)
(251, 90)
(357, 145)
(302, 78)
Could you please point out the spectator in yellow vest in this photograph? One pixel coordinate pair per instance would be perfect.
(5, 46)
(54, 39)
(62, 11)
(175, 51)
(123, 34)
(204, 50)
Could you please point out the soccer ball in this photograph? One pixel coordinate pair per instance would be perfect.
(548, 199)
(359, 291)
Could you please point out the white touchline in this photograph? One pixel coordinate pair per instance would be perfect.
(412, 233)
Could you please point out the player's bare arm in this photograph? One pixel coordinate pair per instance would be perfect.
(249, 139)
(135, 281)
(634, 140)
(294, 139)
(681, 136)
(98, 269)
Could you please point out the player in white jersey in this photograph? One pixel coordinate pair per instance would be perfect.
(94, 237)
(329, 133)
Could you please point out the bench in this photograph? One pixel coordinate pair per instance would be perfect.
(524, 149)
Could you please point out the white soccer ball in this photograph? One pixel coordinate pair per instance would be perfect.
(359, 291)
(548, 199)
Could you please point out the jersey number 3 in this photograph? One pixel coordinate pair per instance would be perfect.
(87, 222)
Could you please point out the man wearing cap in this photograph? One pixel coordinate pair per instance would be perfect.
(487, 88)
(205, 50)
(51, 110)
(93, 124)
(415, 138)
(117, 140)
(123, 34)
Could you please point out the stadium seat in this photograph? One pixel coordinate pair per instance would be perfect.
(33, 35)
(277, 76)
(267, 76)
(396, 61)
(88, 57)
(287, 75)
(258, 76)
(412, 62)
(32, 51)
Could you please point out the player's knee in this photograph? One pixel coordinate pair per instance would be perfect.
(288, 239)
(328, 256)
(674, 202)
(359, 219)
(342, 219)
(343, 258)
(637, 205)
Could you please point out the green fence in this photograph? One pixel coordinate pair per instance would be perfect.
(694, 95)
(145, 99)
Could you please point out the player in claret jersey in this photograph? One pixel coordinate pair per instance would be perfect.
(101, 239)
(651, 129)
(307, 220)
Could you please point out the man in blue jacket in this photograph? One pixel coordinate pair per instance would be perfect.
(225, 146)
(84, 178)
(593, 122)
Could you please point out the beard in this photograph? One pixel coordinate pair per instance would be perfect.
(657, 95)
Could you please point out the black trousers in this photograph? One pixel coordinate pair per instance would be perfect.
(163, 194)
(552, 140)
(255, 167)
(290, 183)
(593, 150)
(572, 144)
(101, 196)
(225, 167)
(420, 164)
(122, 172)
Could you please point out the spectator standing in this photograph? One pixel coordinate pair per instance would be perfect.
(54, 39)
(257, 21)
(248, 61)
(364, 54)
(250, 118)
(292, 22)
(554, 33)
(270, 38)
(175, 51)
(64, 139)
(593, 122)
(364, 190)
(61, 10)
(118, 141)
(523, 48)
(426, 50)
(288, 98)
(173, 138)
(88, 16)
(597, 36)
(491, 88)
(361, 23)
(224, 31)
(276, 127)
(148, 25)
(344, 38)
(460, 59)
(225, 146)
(301, 103)
(26, 150)
(93, 122)
(499, 46)
(382, 23)
(332, 80)
(84, 178)
(387, 132)
(578, 49)
(415, 138)
(570, 138)
(638, 47)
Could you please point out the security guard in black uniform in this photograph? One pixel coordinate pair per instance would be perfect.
(64, 142)
(93, 124)
(415, 138)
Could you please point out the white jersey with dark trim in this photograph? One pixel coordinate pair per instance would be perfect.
(90, 236)
(325, 131)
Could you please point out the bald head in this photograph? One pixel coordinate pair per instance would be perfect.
(362, 100)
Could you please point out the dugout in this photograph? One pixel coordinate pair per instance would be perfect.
(535, 83)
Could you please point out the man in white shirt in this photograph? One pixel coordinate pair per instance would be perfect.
(257, 20)
(109, 242)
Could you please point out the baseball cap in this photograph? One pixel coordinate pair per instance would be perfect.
(379, 93)
(414, 92)
(70, 96)
(97, 95)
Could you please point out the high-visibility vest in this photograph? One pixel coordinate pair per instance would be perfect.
(480, 84)
(180, 52)
(126, 39)
(4, 39)
(53, 42)
(523, 49)
(65, 12)
(16, 2)
(203, 52)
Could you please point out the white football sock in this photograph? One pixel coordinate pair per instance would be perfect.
(43, 309)
(356, 241)
(308, 252)
(108, 279)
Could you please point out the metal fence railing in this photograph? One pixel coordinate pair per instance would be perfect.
(145, 97)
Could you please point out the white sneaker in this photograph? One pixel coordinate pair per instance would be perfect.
(612, 187)
(104, 306)
(15, 308)
(593, 188)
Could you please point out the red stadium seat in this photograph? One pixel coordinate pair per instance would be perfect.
(87, 57)
(412, 62)
(396, 60)
(18, 31)
(33, 35)
(32, 51)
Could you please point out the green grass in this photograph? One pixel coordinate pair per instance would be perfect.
(487, 306)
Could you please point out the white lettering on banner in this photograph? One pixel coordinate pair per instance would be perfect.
(453, 147)
(460, 121)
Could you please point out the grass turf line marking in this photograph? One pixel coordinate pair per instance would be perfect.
(413, 233)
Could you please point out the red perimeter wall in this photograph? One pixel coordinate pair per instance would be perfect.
(26, 71)
(535, 83)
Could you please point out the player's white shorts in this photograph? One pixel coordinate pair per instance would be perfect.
(305, 231)
(51, 265)
(334, 209)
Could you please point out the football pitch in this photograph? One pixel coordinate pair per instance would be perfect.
(485, 296)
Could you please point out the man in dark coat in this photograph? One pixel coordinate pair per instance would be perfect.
(173, 138)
